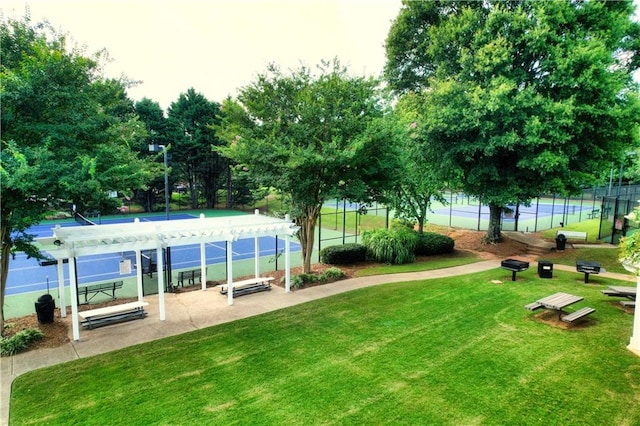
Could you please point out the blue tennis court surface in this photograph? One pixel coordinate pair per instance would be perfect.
(541, 210)
(26, 275)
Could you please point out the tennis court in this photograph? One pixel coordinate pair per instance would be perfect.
(27, 275)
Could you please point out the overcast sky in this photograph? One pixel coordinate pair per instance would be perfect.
(217, 46)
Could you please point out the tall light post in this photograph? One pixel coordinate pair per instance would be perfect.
(167, 251)
(154, 148)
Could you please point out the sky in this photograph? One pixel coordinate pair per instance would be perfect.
(217, 46)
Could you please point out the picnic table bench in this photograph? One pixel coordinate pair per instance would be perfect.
(112, 314)
(248, 286)
(107, 288)
(580, 313)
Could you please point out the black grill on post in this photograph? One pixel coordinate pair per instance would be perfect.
(514, 266)
(587, 268)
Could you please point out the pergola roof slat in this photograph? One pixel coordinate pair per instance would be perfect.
(102, 239)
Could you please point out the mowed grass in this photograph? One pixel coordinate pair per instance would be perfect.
(460, 350)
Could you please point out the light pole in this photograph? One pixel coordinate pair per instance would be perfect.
(154, 148)
(167, 251)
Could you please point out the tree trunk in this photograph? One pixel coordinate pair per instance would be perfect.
(5, 239)
(422, 218)
(307, 222)
(493, 233)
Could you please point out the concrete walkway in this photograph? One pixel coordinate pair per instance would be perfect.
(194, 310)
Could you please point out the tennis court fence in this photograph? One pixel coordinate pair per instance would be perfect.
(343, 222)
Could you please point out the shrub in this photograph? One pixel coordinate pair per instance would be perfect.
(403, 223)
(394, 246)
(343, 255)
(300, 280)
(19, 341)
(432, 243)
(332, 274)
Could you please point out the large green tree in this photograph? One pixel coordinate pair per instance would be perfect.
(150, 113)
(66, 135)
(415, 184)
(312, 137)
(521, 98)
(192, 120)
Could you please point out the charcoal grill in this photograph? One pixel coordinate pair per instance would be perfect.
(587, 268)
(514, 266)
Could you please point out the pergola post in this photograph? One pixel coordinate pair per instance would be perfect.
(61, 292)
(256, 244)
(230, 272)
(634, 344)
(74, 297)
(203, 265)
(139, 275)
(287, 260)
(160, 274)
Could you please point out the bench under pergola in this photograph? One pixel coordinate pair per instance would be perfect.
(68, 243)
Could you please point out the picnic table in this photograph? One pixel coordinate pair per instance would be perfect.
(557, 302)
(622, 291)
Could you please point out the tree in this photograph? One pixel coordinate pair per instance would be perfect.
(156, 123)
(521, 98)
(415, 184)
(192, 119)
(66, 135)
(312, 138)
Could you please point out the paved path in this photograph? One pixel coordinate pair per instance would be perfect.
(194, 310)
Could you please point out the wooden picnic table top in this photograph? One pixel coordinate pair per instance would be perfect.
(558, 301)
(623, 289)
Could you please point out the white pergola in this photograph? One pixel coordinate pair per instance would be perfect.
(72, 242)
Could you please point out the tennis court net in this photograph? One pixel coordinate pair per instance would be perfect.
(81, 220)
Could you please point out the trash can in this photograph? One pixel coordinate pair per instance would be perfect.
(561, 242)
(45, 307)
(545, 269)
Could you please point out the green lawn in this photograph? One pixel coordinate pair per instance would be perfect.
(607, 257)
(458, 351)
(435, 262)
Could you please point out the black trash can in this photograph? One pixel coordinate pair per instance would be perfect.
(45, 307)
(545, 269)
(561, 241)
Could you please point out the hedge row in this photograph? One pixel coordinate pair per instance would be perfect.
(395, 246)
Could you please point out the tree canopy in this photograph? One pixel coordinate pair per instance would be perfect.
(192, 119)
(67, 134)
(520, 98)
(310, 137)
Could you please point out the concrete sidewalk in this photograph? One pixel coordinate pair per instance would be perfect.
(194, 310)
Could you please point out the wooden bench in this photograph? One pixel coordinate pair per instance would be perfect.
(190, 276)
(108, 288)
(533, 306)
(580, 313)
(628, 303)
(113, 314)
(251, 285)
(574, 235)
